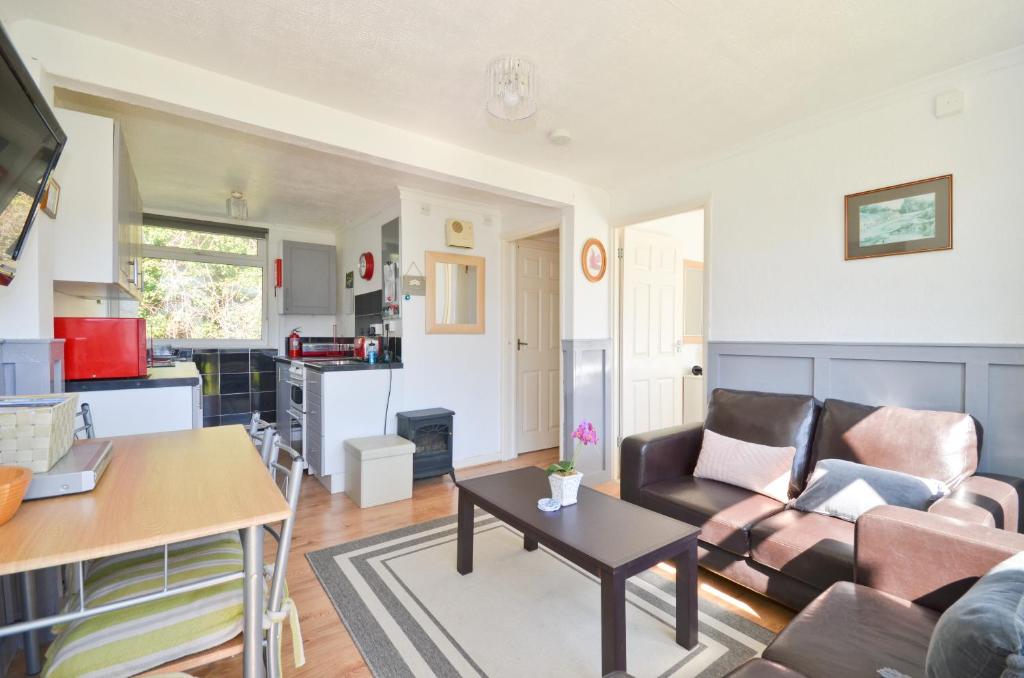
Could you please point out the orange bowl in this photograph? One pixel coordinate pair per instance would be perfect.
(13, 483)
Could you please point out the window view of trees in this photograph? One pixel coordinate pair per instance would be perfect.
(194, 296)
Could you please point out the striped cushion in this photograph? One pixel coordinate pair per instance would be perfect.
(141, 637)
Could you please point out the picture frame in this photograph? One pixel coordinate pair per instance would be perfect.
(594, 260)
(908, 218)
(51, 199)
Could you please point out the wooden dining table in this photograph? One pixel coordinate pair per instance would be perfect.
(159, 489)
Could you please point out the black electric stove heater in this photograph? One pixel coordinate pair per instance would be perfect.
(431, 431)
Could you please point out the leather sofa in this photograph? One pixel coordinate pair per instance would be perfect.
(789, 555)
(886, 618)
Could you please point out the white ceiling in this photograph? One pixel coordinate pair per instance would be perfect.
(185, 165)
(640, 84)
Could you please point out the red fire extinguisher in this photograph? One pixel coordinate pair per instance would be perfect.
(294, 344)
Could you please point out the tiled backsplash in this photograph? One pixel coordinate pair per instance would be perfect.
(237, 382)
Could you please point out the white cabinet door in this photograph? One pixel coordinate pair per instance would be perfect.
(140, 410)
(98, 229)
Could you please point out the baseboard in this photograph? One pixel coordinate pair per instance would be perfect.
(477, 460)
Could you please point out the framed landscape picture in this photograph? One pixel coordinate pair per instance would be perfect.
(903, 219)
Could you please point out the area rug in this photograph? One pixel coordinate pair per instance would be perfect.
(519, 613)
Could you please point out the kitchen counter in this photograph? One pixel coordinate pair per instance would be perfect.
(318, 366)
(178, 374)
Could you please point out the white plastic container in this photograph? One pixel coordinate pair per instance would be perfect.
(378, 469)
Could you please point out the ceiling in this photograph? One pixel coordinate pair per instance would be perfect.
(641, 85)
(185, 165)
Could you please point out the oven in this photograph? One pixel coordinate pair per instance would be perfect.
(291, 422)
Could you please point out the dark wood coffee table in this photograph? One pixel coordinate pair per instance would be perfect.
(609, 537)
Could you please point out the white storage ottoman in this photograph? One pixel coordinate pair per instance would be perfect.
(378, 469)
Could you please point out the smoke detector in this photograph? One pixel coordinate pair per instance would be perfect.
(559, 136)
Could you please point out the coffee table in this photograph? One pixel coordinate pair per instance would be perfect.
(604, 535)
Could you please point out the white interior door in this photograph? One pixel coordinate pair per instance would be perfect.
(537, 357)
(652, 330)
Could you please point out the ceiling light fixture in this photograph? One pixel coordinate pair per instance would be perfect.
(513, 88)
(237, 206)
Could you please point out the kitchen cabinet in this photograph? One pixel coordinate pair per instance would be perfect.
(98, 229)
(310, 278)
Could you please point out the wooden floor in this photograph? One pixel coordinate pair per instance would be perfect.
(326, 520)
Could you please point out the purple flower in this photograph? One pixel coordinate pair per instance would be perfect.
(585, 433)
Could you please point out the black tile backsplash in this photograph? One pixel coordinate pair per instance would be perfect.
(234, 383)
(234, 363)
(262, 381)
(238, 403)
(237, 382)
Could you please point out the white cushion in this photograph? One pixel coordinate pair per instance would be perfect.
(760, 468)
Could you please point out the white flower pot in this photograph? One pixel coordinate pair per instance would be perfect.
(565, 488)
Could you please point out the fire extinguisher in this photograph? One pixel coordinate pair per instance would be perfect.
(294, 344)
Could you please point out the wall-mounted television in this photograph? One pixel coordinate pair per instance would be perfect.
(30, 144)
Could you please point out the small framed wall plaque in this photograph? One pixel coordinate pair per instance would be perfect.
(902, 219)
(593, 259)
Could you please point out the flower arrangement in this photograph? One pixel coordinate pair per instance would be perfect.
(585, 435)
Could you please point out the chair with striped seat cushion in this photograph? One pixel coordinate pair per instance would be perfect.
(141, 637)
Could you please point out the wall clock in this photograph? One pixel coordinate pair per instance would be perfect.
(366, 265)
(594, 260)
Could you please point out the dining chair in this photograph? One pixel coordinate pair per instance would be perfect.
(87, 428)
(147, 635)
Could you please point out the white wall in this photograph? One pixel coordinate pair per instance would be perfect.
(687, 228)
(459, 371)
(776, 236)
(352, 242)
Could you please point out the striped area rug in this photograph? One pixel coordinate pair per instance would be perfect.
(519, 613)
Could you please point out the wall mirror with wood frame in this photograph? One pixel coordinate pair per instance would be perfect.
(456, 291)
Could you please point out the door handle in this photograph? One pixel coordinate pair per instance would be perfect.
(519, 344)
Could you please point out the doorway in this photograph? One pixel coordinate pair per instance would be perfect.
(662, 297)
(537, 353)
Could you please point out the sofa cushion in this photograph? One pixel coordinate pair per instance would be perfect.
(852, 630)
(723, 512)
(761, 468)
(982, 631)
(938, 445)
(846, 490)
(774, 419)
(816, 549)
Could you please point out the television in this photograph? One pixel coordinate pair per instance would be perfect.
(30, 144)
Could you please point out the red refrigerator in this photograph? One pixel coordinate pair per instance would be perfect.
(102, 348)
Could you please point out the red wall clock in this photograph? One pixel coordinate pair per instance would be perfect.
(366, 265)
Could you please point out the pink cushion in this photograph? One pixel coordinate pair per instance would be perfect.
(759, 468)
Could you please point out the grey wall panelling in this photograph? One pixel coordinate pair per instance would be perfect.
(986, 381)
(587, 384)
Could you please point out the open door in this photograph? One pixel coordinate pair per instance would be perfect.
(653, 360)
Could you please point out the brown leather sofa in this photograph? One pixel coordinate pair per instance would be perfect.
(911, 566)
(789, 555)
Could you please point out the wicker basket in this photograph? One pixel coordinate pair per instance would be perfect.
(36, 431)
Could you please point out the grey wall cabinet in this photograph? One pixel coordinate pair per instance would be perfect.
(310, 278)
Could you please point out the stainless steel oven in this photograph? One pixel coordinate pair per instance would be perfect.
(291, 422)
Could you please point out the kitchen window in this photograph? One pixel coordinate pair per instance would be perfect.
(203, 282)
